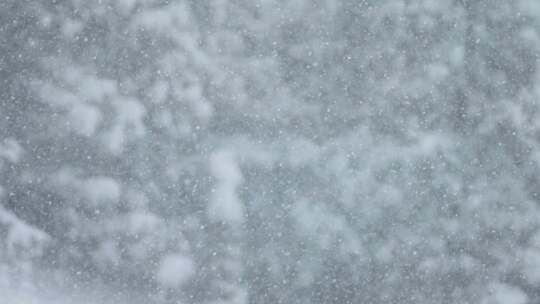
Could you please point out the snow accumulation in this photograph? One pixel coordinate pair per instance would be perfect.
(224, 203)
(174, 270)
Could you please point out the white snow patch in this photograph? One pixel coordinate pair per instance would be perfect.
(129, 117)
(141, 222)
(313, 219)
(125, 6)
(85, 118)
(438, 71)
(505, 294)
(174, 16)
(203, 109)
(97, 90)
(107, 254)
(101, 189)
(71, 27)
(159, 92)
(531, 267)
(529, 8)
(86, 84)
(21, 237)
(174, 270)
(10, 150)
(131, 113)
(302, 152)
(114, 139)
(225, 204)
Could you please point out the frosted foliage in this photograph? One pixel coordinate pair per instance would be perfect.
(97, 190)
(80, 97)
(269, 151)
(22, 241)
(129, 115)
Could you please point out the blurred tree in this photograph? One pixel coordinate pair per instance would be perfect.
(231, 151)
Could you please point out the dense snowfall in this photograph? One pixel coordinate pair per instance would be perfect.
(269, 151)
